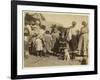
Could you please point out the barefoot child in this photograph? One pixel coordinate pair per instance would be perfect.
(39, 46)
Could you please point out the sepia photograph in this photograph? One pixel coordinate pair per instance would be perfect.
(52, 39)
(55, 39)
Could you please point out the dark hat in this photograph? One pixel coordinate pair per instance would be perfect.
(84, 23)
(73, 22)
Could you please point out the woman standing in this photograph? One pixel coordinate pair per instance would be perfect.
(47, 40)
(63, 46)
(83, 43)
(55, 36)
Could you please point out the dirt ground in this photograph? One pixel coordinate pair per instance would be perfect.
(34, 61)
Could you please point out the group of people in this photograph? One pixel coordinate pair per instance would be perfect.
(40, 40)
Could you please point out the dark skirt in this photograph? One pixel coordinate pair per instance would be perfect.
(56, 46)
(73, 43)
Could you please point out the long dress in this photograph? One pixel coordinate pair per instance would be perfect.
(47, 39)
(62, 47)
(83, 42)
(55, 37)
(39, 45)
(41, 33)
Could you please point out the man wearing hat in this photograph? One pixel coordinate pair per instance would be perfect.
(72, 38)
(83, 42)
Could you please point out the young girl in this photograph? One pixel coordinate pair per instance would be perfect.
(39, 46)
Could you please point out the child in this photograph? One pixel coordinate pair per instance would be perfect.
(66, 55)
(39, 46)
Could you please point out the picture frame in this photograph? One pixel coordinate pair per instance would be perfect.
(17, 8)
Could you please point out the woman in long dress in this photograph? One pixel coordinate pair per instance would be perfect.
(63, 46)
(83, 42)
(55, 36)
(47, 40)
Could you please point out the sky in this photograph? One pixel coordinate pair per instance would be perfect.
(65, 18)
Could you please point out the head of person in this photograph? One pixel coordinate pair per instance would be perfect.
(47, 32)
(26, 32)
(38, 37)
(32, 23)
(37, 22)
(43, 27)
(34, 35)
(62, 34)
(52, 28)
(73, 24)
(84, 23)
(33, 28)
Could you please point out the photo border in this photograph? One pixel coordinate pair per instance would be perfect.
(14, 4)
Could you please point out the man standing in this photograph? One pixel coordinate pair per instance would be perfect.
(83, 42)
(72, 38)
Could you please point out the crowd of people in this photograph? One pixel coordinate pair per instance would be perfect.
(65, 43)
